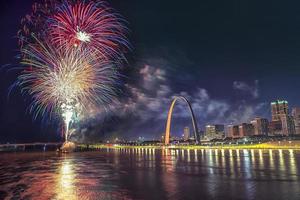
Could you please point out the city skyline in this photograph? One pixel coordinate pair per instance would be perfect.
(286, 119)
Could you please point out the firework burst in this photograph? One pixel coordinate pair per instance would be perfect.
(70, 54)
(64, 82)
(88, 25)
(80, 24)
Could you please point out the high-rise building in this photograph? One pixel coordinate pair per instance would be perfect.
(186, 133)
(214, 131)
(288, 126)
(291, 125)
(296, 116)
(260, 126)
(233, 131)
(246, 129)
(280, 112)
(279, 108)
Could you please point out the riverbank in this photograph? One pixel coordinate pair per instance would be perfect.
(293, 144)
(267, 145)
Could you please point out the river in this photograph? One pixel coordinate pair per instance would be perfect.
(151, 174)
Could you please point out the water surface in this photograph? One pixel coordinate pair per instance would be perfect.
(151, 174)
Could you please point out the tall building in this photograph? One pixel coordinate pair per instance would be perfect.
(292, 127)
(279, 108)
(214, 131)
(280, 112)
(260, 126)
(296, 116)
(246, 129)
(233, 131)
(288, 126)
(186, 133)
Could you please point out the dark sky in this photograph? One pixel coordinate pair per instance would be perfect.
(230, 58)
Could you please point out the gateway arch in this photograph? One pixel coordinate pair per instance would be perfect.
(168, 126)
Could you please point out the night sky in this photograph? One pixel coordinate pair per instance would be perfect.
(229, 58)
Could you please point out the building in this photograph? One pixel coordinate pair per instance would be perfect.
(291, 127)
(215, 131)
(278, 109)
(275, 128)
(233, 131)
(260, 126)
(296, 116)
(186, 133)
(246, 129)
(280, 112)
(288, 126)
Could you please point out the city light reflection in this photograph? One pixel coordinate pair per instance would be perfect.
(271, 159)
(196, 155)
(247, 164)
(252, 156)
(261, 159)
(188, 155)
(293, 164)
(222, 157)
(281, 161)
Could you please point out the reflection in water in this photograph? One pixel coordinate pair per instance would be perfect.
(247, 170)
(169, 180)
(293, 164)
(281, 161)
(188, 156)
(231, 162)
(252, 156)
(196, 155)
(182, 154)
(271, 160)
(238, 159)
(261, 159)
(210, 162)
(171, 173)
(66, 183)
(223, 157)
(247, 164)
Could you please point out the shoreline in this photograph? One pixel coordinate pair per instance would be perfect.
(274, 145)
(294, 145)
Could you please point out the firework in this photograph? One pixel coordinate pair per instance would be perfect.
(70, 54)
(35, 21)
(80, 24)
(88, 25)
(64, 82)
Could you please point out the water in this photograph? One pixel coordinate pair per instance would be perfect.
(151, 174)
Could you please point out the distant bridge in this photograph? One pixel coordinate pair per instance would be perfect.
(24, 146)
(168, 126)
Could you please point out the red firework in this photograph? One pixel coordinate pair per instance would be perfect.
(34, 22)
(88, 25)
